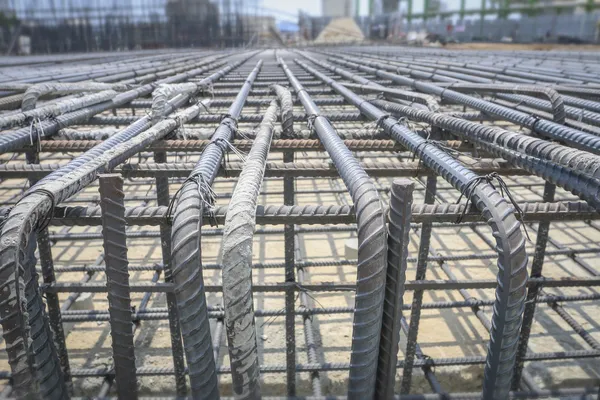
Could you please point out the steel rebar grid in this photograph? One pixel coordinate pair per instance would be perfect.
(281, 220)
(35, 207)
(510, 294)
(538, 268)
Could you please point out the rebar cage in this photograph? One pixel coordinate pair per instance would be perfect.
(369, 222)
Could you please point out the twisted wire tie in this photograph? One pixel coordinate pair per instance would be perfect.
(180, 126)
(300, 91)
(426, 142)
(377, 124)
(429, 362)
(227, 145)
(54, 118)
(36, 121)
(45, 219)
(536, 120)
(311, 122)
(539, 288)
(443, 91)
(207, 197)
(204, 106)
(229, 121)
(402, 121)
(472, 184)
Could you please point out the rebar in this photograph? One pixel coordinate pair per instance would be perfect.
(186, 262)
(237, 265)
(190, 136)
(398, 230)
(115, 248)
(372, 250)
(512, 261)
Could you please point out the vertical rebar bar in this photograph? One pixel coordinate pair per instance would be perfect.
(415, 311)
(117, 276)
(533, 291)
(163, 198)
(309, 337)
(398, 229)
(286, 105)
(290, 295)
(48, 276)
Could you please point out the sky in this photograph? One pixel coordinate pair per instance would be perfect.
(313, 7)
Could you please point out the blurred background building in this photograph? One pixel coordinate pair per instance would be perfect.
(50, 26)
(337, 8)
(92, 25)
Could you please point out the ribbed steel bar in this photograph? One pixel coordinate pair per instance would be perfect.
(284, 97)
(398, 230)
(227, 195)
(117, 283)
(512, 260)
(52, 301)
(326, 214)
(573, 137)
(161, 313)
(163, 198)
(244, 145)
(566, 252)
(108, 380)
(415, 314)
(331, 287)
(534, 291)
(125, 119)
(372, 250)
(324, 101)
(337, 366)
(237, 265)
(290, 299)
(186, 257)
(274, 169)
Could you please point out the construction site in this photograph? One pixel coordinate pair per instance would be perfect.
(198, 200)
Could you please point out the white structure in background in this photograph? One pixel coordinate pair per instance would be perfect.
(24, 45)
(337, 8)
